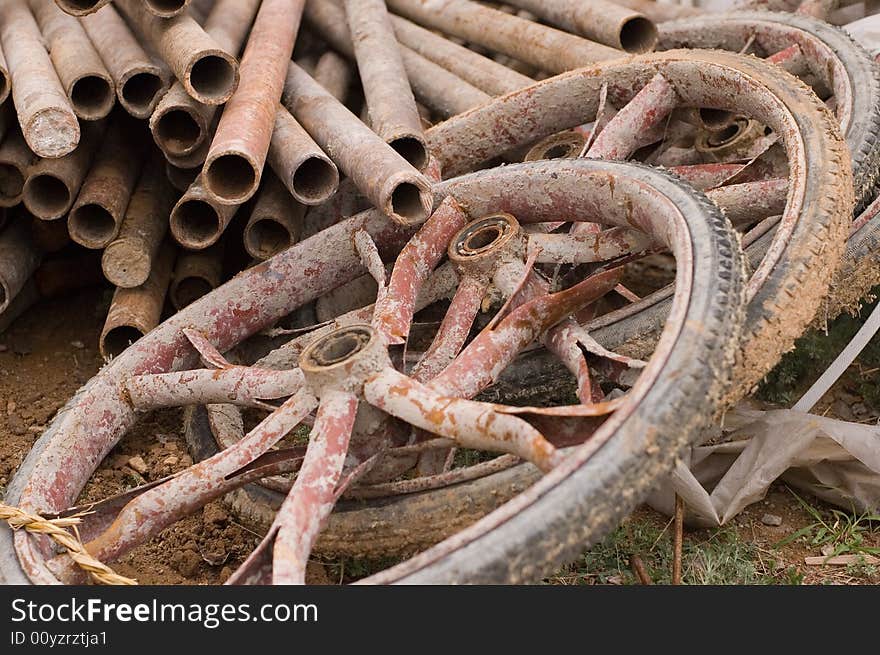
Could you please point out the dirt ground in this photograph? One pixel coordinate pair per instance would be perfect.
(52, 350)
(44, 358)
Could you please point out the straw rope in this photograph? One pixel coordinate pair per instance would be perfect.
(57, 529)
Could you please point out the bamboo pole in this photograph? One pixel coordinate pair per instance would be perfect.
(47, 120)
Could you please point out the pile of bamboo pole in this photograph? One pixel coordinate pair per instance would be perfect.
(162, 146)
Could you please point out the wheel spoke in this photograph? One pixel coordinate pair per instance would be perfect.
(707, 176)
(471, 424)
(370, 258)
(626, 293)
(453, 331)
(440, 285)
(239, 385)
(625, 133)
(209, 354)
(561, 342)
(604, 114)
(519, 283)
(587, 248)
(314, 493)
(492, 350)
(418, 258)
(595, 348)
(792, 60)
(747, 203)
(433, 481)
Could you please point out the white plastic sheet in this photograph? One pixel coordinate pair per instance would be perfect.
(867, 32)
(836, 461)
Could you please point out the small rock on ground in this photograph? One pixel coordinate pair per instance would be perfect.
(772, 520)
(138, 464)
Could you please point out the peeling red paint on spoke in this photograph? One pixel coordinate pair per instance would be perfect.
(418, 258)
(624, 133)
(486, 356)
(314, 493)
(471, 424)
(454, 329)
(239, 385)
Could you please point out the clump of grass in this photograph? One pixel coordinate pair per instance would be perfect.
(835, 531)
(723, 559)
(714, 557)
(346, 570)
(790, 576)
(609, 561)
(862, 569)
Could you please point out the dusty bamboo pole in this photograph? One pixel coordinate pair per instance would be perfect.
(200, 9)
(444, 92)
(128, 260)
(486, 74)
(309, 175)
(97, 214)
(334, 74)
(207, 72)
(659, 11)
(599, 20)
(238, 152)
(81, 7)
(198, 220)
(83, 75)
(196, 274)
(181, 123)
(16, 160)
(389, 98)
(47, 120)
(139, 81)
(166, 8)
(5, 81)
(543, 47)
(276, 222)
(19, 258)
(195, 159)
(441, 90)
(26, 298)
(134, 312)
(390, 182)
(53, 184)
